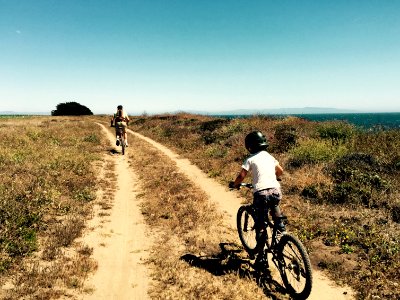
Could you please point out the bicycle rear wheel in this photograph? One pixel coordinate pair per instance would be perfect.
(123, 145)
(246, 227)
(295, 266)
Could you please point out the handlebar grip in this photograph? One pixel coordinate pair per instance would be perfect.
(248, 185)
(231, 186)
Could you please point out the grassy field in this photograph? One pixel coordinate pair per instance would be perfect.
(341, 192)
(46, 189)
(341, 186)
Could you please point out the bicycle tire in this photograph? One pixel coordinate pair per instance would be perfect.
(246, 228)
(294, 266)
(123, 146)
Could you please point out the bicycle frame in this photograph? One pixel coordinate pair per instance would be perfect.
(268, 241)
(289, 255)
(121, 137)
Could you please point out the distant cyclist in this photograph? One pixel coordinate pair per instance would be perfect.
(121, 120)
(265, 170)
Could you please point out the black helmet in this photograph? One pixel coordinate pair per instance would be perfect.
(119, 107)
(255, 141)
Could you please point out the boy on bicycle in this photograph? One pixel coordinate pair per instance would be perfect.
(265, 170)
(121, 121)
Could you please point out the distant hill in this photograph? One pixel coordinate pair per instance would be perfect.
(277, 111)
(13, 113)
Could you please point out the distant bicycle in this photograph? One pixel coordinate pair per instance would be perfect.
(121, 139)
(288, 253)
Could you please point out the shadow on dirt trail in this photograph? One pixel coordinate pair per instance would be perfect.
(229, 261)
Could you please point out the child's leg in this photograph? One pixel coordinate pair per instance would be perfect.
(276, 216)
(124, 130)
(275, 211)
(261, 211)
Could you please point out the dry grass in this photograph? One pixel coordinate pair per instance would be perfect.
(194, 256)
(341, 186)
(46, 190)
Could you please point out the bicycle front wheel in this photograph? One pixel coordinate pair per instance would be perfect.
(246, 227)
(295, 266)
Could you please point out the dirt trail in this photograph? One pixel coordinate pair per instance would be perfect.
(120, 243)
(323, 288)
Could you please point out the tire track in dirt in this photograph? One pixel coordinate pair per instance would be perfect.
(120, 243)
(229, 202)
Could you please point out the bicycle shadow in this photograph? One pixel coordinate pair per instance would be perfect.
(228, 261)
(114, 151)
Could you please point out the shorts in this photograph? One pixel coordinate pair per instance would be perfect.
(120, 125)
(267, 200)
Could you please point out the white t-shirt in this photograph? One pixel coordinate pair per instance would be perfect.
(262, 166)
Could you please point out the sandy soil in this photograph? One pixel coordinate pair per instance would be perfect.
(228, 202)
(119, 241)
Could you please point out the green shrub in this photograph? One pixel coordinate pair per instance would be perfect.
(310, 191)
(384, 145)
(351, 193)
(209, 137)
(395, 211)
(85, 195)
(314, 151)
(233, 127)
(213, 124)
(336, 132)
(285, 138)
(358, 178)
(395, 164)
(216, 151)
(219, 130)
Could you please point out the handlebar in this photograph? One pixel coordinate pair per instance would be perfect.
(248, 185)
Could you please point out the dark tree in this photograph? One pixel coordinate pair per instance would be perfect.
(71, 109)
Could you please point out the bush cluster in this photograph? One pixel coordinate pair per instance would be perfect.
(314, 151)
(285, 138)
(336, 132)
(359, 178)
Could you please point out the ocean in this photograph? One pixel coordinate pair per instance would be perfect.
(364, 120)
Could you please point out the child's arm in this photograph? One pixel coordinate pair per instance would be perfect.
(278, 170)
(240, 178)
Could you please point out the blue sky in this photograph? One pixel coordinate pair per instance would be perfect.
(169, 55)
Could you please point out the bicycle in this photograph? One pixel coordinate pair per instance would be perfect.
(121, 139)
(288, 253)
